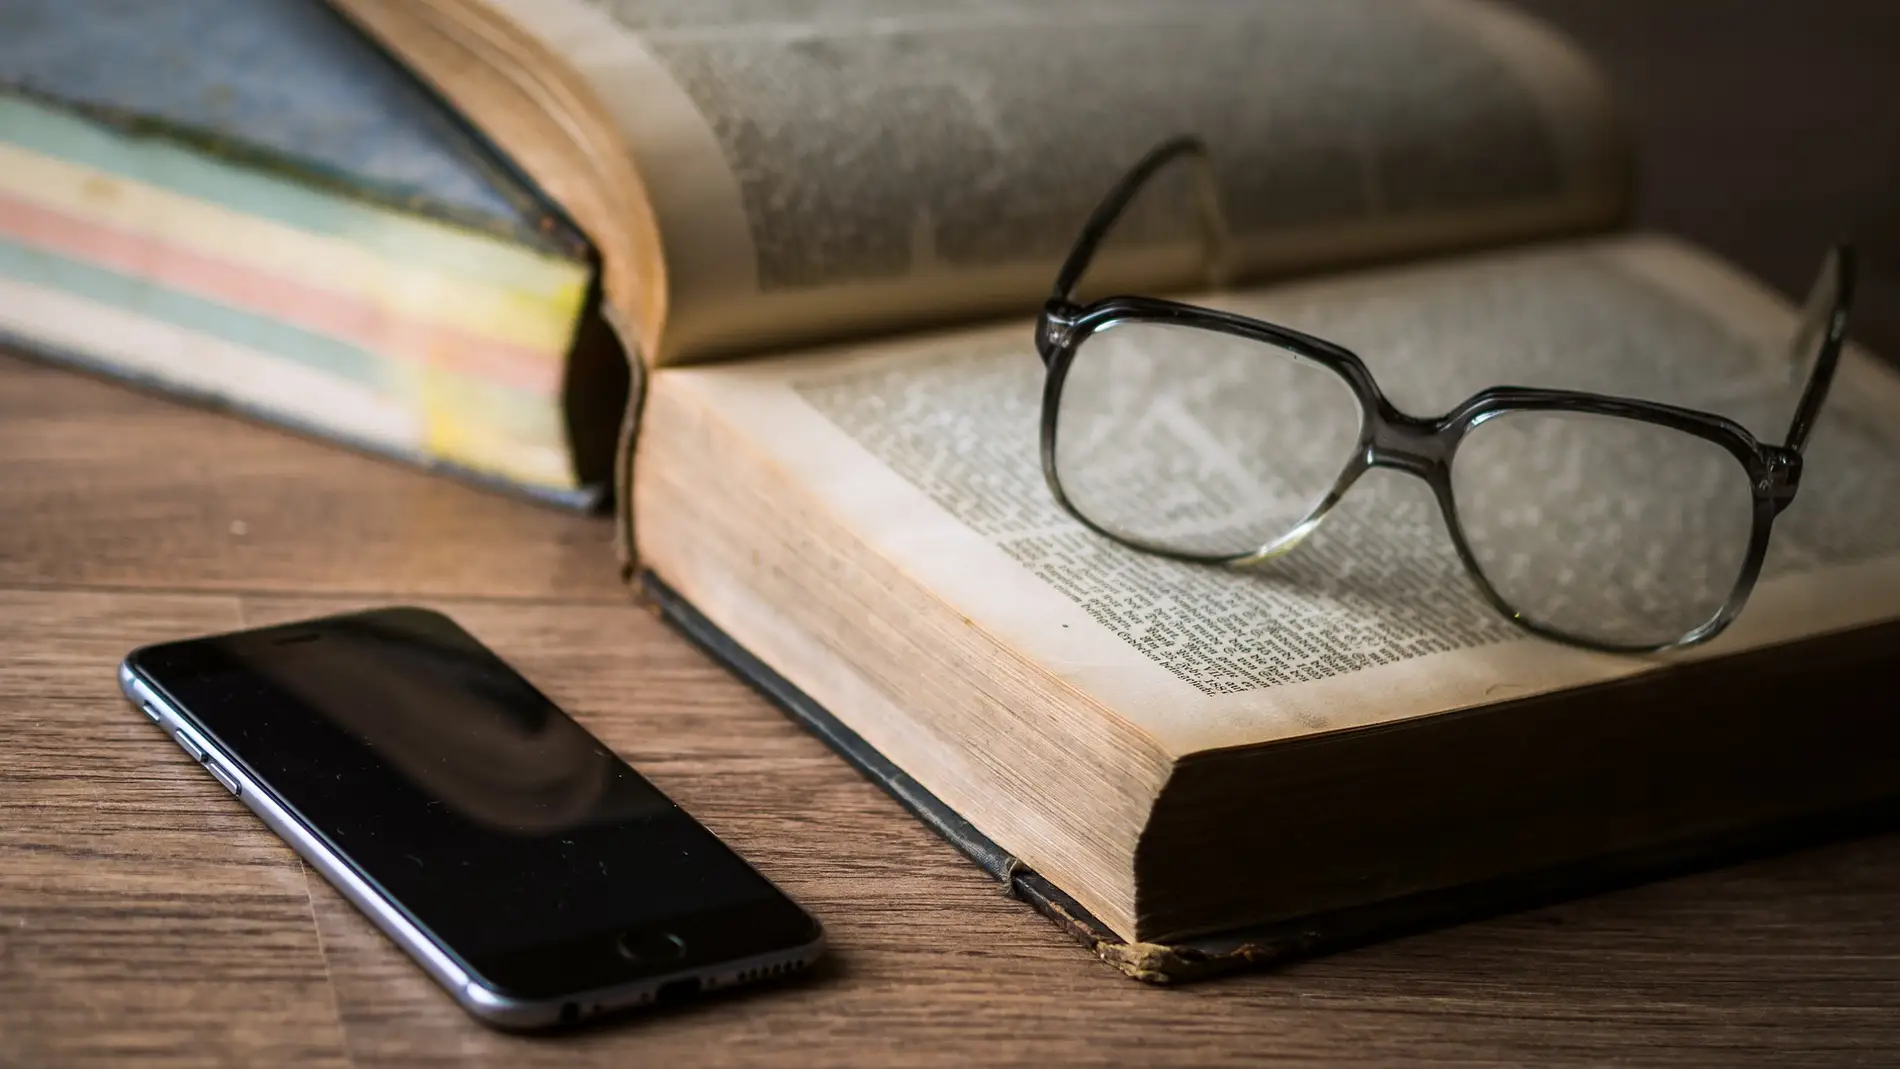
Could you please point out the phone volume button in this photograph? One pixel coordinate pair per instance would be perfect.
(230, 782)
(188, 739)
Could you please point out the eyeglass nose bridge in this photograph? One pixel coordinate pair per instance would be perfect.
(1406, 443)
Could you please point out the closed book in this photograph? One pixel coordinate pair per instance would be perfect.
(247, 202)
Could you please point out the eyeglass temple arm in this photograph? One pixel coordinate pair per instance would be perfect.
(1823, 321)
(1109, 211)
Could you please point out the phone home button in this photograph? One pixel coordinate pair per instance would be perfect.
(648, 946)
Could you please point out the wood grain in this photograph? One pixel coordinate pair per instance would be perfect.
(1787, 961)
(141, 915)
(146, 916)
(107, 487)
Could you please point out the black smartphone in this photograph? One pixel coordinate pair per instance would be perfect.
(533, 873)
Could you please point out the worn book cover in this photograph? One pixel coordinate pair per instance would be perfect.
(1262, 946)
(248, 203)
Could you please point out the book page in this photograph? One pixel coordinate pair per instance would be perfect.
(840, 167)
(926, 449)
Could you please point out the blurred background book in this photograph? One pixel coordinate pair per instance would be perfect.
(246, 202)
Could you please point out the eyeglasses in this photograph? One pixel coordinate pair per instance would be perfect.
(1213, 437)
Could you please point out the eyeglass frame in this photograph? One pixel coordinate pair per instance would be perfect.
(1420, 446)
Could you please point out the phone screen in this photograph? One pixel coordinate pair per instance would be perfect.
(520, 842)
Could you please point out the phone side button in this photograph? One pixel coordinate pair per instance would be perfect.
(193, 745)
(197, 753)
(230, 782)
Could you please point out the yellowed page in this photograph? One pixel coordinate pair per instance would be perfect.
(856, 166)
(925, 449)
(544, 117)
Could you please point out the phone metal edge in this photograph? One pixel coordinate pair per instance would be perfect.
(483, 1002)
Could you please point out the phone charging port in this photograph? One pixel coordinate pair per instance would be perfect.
(674, 990)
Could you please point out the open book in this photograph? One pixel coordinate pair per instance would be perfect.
(823, 227)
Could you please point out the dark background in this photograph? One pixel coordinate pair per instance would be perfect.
(1765, 129)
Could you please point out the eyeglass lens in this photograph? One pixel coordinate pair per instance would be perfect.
(1197, 442)
(1617, 531)
(1612, 530)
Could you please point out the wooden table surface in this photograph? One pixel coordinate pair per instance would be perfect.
(146, 915)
